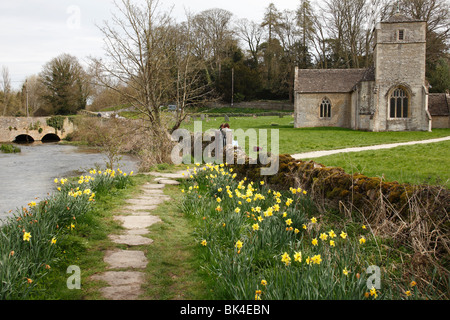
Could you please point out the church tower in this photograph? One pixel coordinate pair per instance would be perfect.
(401, 92)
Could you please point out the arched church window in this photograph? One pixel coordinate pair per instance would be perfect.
(325, 108)
(398, 104)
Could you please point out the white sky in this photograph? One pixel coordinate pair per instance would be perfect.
(32, 32)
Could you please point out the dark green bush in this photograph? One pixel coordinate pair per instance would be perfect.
(9, 148)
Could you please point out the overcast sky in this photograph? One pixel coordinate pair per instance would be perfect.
(32, 32)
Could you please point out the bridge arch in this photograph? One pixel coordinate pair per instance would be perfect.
(51, 137)
(23, 138)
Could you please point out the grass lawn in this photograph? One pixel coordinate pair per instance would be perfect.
(300, 140)
(416, 164)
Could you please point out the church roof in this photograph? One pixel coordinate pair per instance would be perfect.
(331, 80)
(439, 104)
(398, 17)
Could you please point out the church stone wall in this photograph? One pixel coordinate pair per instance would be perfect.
(307, 110)
(441, 122)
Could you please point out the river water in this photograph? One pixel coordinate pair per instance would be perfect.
(29, 175)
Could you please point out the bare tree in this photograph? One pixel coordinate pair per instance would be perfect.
(136, 47)
(150, 63)
(214, 35)
(5, 86)
(319, 40)
(33, 88)
(191, 86)
(251, 33)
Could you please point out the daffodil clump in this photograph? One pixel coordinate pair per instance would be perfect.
(260, 243)
(30, 238)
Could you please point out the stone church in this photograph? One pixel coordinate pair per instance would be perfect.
(390, 96)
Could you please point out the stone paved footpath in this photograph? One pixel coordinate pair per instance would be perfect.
(124, 274)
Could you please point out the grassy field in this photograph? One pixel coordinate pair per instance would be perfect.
(416, 164)
(300, 140)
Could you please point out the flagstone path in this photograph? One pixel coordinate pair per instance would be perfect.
(124, 274)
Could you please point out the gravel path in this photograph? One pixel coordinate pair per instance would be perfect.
(317, 154)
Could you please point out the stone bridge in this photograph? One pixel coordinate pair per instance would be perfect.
(32, 129)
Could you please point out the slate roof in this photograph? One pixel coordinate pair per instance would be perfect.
(331, 80)
(398, 17)
(439, 104)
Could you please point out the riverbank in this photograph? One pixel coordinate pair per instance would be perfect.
(29, 175)
(42, 235)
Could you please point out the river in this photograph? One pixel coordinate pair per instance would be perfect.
(29, 174)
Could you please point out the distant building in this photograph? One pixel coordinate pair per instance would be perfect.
(390, 96)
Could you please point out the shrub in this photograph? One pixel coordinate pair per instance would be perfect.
(9, 148)
(56, 122)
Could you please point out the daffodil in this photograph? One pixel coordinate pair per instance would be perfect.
(237, 210)
(362, 240)
(373, 292)
(286, 259)
(345, 272)
(53, 240)
(314, 242)
(323, 236)
(289, 222)
(332, 234)
(264, 282)
(343, 235)
(203, 243)
(313, 220)
(255, 227)
(298, 256)
(238, 244)
(332, 243)
(27, 236)
(316, 259)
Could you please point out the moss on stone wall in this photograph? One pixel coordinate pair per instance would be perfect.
(335, 187)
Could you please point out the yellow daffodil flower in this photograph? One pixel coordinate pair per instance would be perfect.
(323, 236)
(27, 236)
(286, 259)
